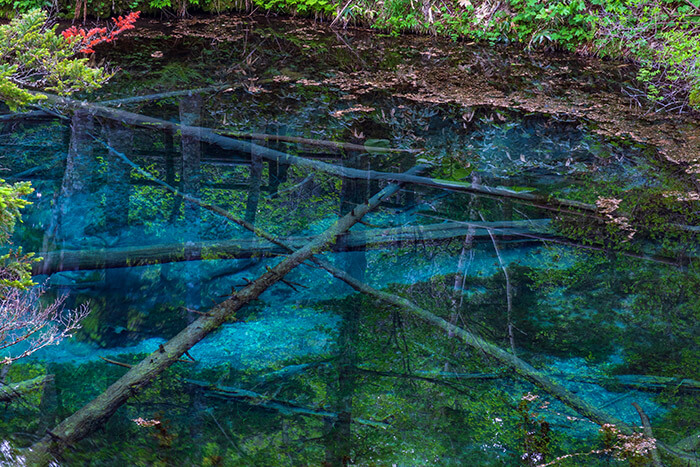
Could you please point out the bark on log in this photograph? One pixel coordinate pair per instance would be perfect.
(10, 392)
(316, 142)
(283, 407)
(94, 414)
(79, 260)
(37, 114)
(210, 136)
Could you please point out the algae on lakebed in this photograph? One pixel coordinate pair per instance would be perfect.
(330, 374)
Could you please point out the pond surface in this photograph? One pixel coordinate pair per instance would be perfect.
(569, 242)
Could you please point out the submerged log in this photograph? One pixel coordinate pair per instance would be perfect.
(211, 136)
(522, 368)
(283, 407)
(10, 392)
(248, 247)
(317, 142)
(37, 114)
(94, 414)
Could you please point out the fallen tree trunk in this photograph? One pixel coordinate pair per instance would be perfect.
(10, 392)
(95, 413)
(38, 114)
(79, 260)
(525, 370)
(210, 136)
(317, 142)
(677, 262)
(283, 407)
(644, 382)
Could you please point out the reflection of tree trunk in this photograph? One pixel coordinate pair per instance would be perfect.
(277, 172)
(463, 262)
(339, 449)
(72, 208)
(169, 143)
(256, 169)
(117, 207)
(114, 314)
(190, 115)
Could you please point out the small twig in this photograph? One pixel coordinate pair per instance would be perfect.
(192, 310)
(114, 362)
(373, 226)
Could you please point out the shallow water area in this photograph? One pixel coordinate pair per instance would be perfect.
(565, 242)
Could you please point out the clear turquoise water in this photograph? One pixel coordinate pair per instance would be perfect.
(588, 303)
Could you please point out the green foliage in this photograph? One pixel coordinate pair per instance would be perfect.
(565, 24)
(304, 7)
(16, 266)
(34, 55)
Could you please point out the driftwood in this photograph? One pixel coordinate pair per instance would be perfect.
(251, 247)
(94, 414)
(283, 407)
(10, 392)
(210, 136)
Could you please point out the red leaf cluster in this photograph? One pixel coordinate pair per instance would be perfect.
(86, 40)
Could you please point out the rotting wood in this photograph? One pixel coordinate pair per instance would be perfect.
(94, 414)
(211, 136)
(12, 391)
(252, 247)
(283, 407)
